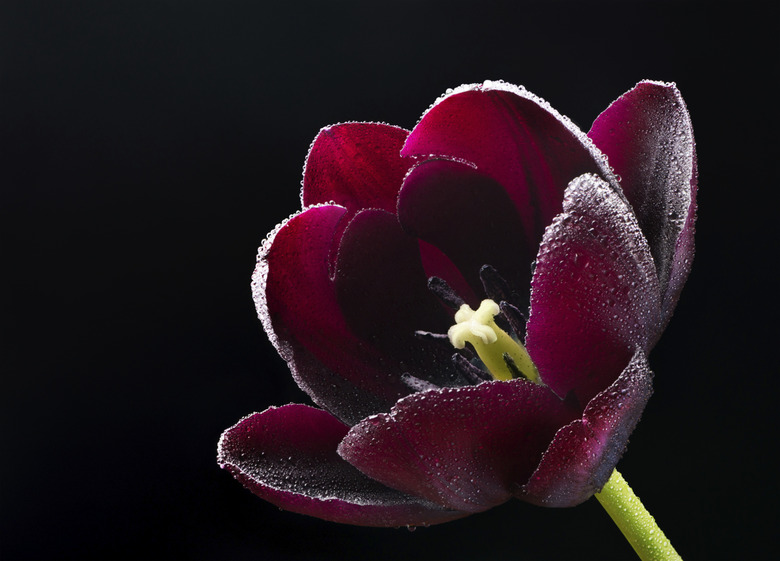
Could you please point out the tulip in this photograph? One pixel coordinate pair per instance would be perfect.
(471, 305)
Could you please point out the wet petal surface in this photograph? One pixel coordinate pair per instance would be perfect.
(463, 448)
(356, 165)
(584, 453)
(648, 138)
(517, 139)
(594, 295)
(337, 369)
(287, 456)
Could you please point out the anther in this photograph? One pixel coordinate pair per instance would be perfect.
(445, 292)
(472, 374)
(494, 284)
(498, 289)
(514, 317)
(417, 384)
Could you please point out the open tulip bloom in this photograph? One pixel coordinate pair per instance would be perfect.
(471, 305)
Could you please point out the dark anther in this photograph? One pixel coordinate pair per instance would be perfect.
(470, 373)
(432, 336)
(417, 384)
(468, 353)
(508, 300)
(510, 363)
(495, 286)
(515, 318)
(445, 293)
(498, 289)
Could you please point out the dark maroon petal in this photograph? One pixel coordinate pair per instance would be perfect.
(287, 456)
(515, 138)
(469, 217)
(357, 165)
(297, 304)
(683, 256)
(594, 295)
(383, 293)
(648, 138)
(464, 448)
(584, 453)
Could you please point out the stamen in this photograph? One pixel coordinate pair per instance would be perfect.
(515, 318)
(494, 284)
(468, 371)
(417, 384)
(498, 289)
(445, 292)
(479, 329)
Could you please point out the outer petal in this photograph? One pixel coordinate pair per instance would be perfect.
(583, 454)
(464, 448)
(517, 139)
(469, 217)
(594, 295)
(287, 456)
(357, 165)
(297, 304)
(648, 138)
(383, 293)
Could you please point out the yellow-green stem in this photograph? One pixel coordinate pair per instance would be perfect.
(637, 525)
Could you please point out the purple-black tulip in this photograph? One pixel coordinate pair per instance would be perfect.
(577, 245)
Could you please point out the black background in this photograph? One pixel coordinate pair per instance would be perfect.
(146, 148)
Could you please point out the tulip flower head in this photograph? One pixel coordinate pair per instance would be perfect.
(470, 306)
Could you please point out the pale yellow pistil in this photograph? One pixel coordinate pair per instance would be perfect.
(491, 342)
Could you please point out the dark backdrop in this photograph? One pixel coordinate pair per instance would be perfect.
(146, 148)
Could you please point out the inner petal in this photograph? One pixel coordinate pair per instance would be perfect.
(299, 309)
(469, 217)
(595, 296)
(357, 165)
(383, 293)
(517, 139)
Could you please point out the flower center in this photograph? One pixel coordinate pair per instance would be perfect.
(504, 357)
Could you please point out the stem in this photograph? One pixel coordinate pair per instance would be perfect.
(637, 525)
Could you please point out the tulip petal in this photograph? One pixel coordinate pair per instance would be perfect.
(464, 448)
(356, 165)
(594, 294)
(296, 302)
(584, 453)
(382, 291)
(648, 138)
(517, 139)
(469, 217)
(287, 456)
